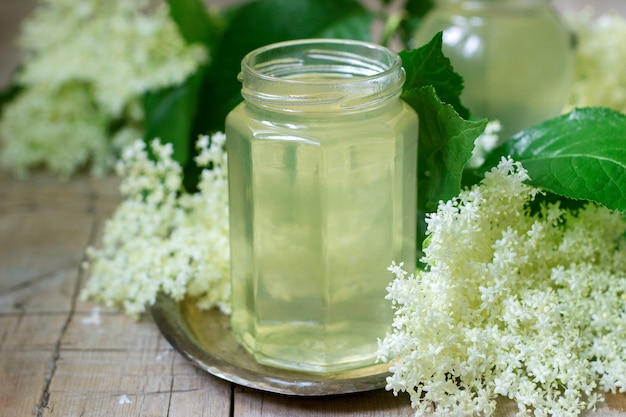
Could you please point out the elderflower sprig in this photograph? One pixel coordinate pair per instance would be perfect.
(84, 71)
(121, 48)
(514, 302)
(599, 51)
(161, 238)
(60, 128)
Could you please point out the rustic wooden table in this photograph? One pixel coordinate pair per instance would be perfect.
(60, 356)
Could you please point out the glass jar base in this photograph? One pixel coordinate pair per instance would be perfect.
(312, 369)
(310, 350)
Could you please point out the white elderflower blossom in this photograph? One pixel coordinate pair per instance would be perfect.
(527, 304)
(600, 55)
(115, 51)
(121, 48)
(162, 239)
(60, 129)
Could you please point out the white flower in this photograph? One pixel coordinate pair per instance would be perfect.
(57, 128)
(513, 302)
(599, 56)
(163, 239)
(121, 48)
(86, 66)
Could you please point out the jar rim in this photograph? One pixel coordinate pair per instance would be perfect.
(320, 73)
(248, 62)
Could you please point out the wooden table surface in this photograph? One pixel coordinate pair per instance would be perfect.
(60, 356)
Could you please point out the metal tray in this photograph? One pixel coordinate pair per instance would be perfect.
(204, 338)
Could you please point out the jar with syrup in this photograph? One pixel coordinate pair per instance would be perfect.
(322, 186)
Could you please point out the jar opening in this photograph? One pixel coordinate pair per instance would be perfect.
(321, 74)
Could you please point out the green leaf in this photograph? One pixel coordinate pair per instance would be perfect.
(429, 66)
(446, 139)
(263, 22)
(193, 21)
(580, 155)
(12, 89)
(169, 115)
(446, 142)
(9, 93)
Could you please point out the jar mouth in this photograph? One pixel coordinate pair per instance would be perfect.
(319, 73)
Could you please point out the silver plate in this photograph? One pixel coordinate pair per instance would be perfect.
(204, 338)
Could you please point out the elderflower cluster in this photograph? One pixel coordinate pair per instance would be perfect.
(518, 299)
(88, 63)
(121, 48)
(162, 239)
(600, 55)
(61, 128)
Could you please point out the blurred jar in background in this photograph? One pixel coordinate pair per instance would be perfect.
(516, 57)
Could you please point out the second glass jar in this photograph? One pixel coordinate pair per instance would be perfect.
(515, 56)
(322, 164)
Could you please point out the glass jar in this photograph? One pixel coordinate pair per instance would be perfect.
(515, 56)
(322, 166)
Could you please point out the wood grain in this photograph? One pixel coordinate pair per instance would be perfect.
(250, 403)
(59, 356)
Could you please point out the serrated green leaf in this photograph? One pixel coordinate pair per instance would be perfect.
(446, 142)
(446, 139)
(428, 65)
(580, 155)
